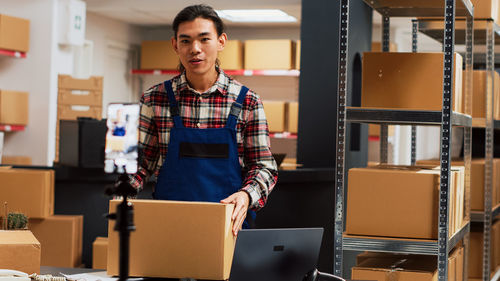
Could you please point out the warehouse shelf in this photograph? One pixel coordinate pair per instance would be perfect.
(283, 135)
(478, 216)
(445, 118)
(418, 8)
(434, 29)
(481, 123)
(240, 72)
(399, 245)
(11, 128)
(9, 53)
(403, 117)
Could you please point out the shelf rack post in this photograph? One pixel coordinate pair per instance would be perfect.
(488, 165)
(384, 129)
(340, 145)
(446, 136)
(414, 32)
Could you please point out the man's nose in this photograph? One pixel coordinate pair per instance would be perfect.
(196, 47)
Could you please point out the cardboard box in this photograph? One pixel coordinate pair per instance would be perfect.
(158, 55)
(13, 107)
(72, 112)
(28, 191)
(16, 160)
(20, 251)
(390, 267)
(232, 56)
(14, 33)
(377, 47)
(275, 115)
(479, 94)
(293, 117)
(476, 255)
(61, 239)
(409, 81)
(495, 244)
(177, 240)
(486, 9)
(297, 54)
(477, 184)
(269, 54)
(100, 253)
(78, 97)
(66, 82)
(374, 130)
(399, 202)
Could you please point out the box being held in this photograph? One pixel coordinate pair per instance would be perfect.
(175, 239)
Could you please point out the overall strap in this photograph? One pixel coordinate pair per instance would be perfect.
(236, 108)
(174, 108)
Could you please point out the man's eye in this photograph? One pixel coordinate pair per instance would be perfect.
(205, 39)
(184, 41)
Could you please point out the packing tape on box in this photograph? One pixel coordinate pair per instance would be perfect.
(393, 275)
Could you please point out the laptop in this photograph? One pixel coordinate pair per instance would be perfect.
(286, 254)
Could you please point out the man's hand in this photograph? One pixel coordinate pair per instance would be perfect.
(240, 200)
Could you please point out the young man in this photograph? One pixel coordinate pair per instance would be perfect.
(204, 135)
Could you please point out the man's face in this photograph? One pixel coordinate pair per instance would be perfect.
(197, 45)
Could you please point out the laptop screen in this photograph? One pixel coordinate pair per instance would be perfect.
(275, 254)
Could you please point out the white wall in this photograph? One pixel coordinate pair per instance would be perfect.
(32, 75)
(115, 47)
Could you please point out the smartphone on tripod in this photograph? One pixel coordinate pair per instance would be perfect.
(122, 138)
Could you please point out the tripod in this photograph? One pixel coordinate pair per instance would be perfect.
(124, 217)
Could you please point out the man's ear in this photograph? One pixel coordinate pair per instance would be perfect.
(174, 44)
(222, 41)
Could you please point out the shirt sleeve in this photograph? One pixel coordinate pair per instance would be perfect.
(148, 142)
(262, 171)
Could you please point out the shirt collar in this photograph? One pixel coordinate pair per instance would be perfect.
(221, 85)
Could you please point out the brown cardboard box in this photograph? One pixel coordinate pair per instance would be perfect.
(158, 55)
(66, 82)
(479, 94)
(232, 56)
(409, 268)
(13, 107)
(374, 130)
(269, 54)
(486, 9)
(495, 244)
(16, 160)
(61, 239)
(477, 184)
(455, 263)
(28, 191)
(72, 112)
(397, 202)
(297, 54)
(293, 117)
(377, 47)
(14, 33)
(70, 97)
(19, 251)
(176, 240)
(100, 253)
(476, 255)
(407, 81)
(275, 114)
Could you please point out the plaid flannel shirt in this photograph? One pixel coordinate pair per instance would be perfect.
(208, 110)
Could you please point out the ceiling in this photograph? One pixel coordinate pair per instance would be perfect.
(162, 12)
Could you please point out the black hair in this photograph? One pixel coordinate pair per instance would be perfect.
(190, 13)
(193, 12)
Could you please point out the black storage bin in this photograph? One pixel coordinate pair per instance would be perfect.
(81, 142)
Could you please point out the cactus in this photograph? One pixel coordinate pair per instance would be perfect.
(16, 221)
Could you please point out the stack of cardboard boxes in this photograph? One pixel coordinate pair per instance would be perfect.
(78, 98)
(31, 192)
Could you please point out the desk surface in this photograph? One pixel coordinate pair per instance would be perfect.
(55, 271)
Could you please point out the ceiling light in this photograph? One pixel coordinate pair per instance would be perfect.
(257, 15)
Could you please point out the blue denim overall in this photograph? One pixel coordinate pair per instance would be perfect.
(201, 164)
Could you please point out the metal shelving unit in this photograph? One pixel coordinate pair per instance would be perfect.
(487, 33)
(445, 118)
